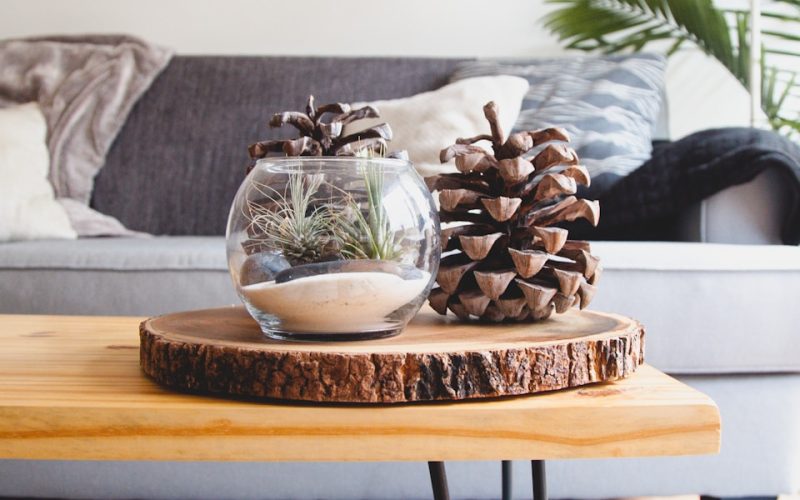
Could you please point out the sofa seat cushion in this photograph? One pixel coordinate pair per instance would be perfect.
(114, 276)
(707, 308)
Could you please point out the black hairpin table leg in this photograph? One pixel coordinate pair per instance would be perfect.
(507, 480)
(438, 481)
(539, 480)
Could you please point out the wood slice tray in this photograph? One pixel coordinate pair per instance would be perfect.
(222, 351)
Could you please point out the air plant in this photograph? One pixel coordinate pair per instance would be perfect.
(369, 237)
(293, 222)
(307, 228)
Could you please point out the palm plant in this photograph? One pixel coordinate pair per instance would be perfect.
(613, 26)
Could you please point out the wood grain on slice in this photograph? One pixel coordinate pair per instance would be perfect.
(71, 388)
(223, 351)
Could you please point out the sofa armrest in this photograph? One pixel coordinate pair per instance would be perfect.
(750, 213)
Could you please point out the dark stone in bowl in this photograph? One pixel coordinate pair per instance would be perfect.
(262, 267)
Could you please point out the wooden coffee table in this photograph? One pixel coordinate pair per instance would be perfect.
(71, 388)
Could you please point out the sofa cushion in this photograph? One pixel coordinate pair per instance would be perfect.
(752, 213)
(175, 166)
(424, 124)
(114, 276)
(707, 308)
(609, 105)
(28, 208)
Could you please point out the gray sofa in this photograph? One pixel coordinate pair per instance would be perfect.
(720, 317)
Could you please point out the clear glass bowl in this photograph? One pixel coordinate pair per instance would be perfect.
(326, 248)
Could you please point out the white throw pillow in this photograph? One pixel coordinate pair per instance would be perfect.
(426, 123)
(28, 210)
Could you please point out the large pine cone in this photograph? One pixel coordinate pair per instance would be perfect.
(509, 261)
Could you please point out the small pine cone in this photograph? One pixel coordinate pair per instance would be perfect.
(506, 259)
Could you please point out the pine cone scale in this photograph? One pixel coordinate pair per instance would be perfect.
(494, 283)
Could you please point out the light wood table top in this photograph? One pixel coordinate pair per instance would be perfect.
(71, 388)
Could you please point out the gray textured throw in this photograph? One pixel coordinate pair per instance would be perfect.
(608, 104)
(85, 86)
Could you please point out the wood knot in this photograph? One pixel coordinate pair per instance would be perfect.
(599, 392)
(39, 334)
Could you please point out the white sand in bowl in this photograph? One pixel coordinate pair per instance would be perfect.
(337, 302)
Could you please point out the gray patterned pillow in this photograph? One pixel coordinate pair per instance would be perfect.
(608, 104)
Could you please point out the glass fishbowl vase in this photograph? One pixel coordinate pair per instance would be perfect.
(327, 248)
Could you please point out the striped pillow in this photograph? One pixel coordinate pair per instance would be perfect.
(608, 104)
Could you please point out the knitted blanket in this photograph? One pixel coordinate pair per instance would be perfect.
(645, 204)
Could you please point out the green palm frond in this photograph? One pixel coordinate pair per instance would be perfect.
(615, 26)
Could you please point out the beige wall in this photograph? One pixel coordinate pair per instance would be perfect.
(701, 93)
(308, 27)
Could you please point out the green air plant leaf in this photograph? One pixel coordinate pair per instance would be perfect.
(370, 236)
(614, 26)
(306, 228)
(292, 221)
